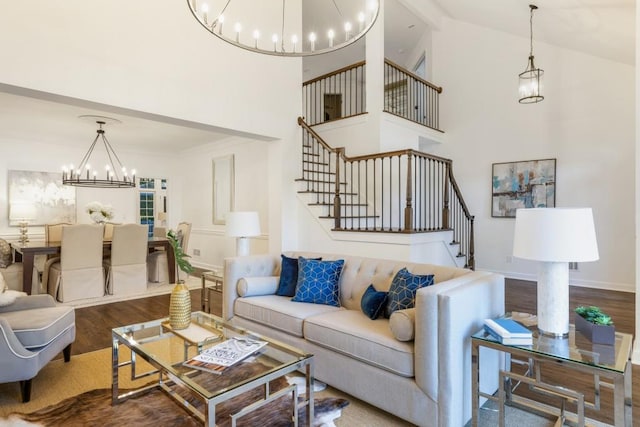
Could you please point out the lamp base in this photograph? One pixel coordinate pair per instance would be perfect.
(242, 246)
(553, 299)
(24, 238)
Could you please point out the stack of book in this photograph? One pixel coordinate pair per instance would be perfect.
(508, 331)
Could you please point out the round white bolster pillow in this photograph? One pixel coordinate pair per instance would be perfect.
(255, 286)
(402, 324)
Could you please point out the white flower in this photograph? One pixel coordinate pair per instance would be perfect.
(99, 212)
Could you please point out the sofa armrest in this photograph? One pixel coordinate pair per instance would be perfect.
(447, 314)
(28, 302)
(246, 266)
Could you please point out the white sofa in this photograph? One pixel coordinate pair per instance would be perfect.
(426, 381)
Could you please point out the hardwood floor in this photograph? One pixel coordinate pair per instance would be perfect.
(94, 324)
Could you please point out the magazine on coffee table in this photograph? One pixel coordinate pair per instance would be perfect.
(221, 356)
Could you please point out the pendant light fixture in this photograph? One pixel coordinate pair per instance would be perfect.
(531, 78)
(281, 28)
(115, 174)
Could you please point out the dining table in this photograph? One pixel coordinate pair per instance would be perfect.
(27, 251)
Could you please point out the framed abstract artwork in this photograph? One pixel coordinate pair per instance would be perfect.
(524, 184)
(53, 202)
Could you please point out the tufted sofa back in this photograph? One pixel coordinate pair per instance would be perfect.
(359, 272)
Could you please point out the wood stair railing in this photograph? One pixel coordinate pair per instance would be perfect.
(404, 191)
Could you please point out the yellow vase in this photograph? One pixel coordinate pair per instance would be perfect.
(180, 307)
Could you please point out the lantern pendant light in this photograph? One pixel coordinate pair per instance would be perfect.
(530, 87)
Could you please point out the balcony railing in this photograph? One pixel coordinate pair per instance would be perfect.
(404, 191)
(335, 95)
(341, 94)
(410, 97)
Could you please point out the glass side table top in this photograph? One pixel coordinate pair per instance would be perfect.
(156, 341)
(575, 348)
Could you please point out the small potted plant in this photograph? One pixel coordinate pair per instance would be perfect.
(594, 324)
(180, 302)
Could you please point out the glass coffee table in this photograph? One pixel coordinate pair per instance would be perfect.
(166, 350)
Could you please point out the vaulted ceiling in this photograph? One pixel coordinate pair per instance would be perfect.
(604, 28)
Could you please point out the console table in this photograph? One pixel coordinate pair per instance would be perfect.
(573, 353)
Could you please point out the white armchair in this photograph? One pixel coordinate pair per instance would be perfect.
(33, 330)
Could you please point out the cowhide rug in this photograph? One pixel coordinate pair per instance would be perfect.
(157, 409)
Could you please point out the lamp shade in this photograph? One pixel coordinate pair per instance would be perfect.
(555, 235)
(243, 224)
(22, 211)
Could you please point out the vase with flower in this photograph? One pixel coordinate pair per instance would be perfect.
(180, 301)
(99, 213)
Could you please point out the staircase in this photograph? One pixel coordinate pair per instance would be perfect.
(402, 192)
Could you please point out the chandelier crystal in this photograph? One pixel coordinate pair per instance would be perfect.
(530, 87)
(115, 174)
(281, 28)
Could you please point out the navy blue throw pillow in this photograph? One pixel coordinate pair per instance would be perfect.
(318, 281)
(288, 276)
(373, 302)
(402, 293)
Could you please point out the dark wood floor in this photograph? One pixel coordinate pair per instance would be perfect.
(94, 326)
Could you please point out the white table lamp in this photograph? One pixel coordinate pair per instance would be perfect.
(555, 237)
(22, 213)
(242, 225)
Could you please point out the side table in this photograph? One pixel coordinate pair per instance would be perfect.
(576, 353)
(216, 278)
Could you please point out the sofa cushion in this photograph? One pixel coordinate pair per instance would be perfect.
(38, 327)
(352, 333)
(6, 258)
(278, 312)
(318, 281)
(402, 293)
(373, 302)
(254, 286)
(402, 324)
(288, 276)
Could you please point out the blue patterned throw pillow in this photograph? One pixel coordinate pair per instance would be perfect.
(402, 293)
(318, 281)
(288, 276)
(373, 302)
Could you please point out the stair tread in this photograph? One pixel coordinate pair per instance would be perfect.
(321, 172)
(349, 217)
(327, 192)
(331, 204)
(307, 162)
(317, 181)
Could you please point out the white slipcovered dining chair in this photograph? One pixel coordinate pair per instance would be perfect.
(127, 266)
(157, 263)
(79, 273)
(52, 233)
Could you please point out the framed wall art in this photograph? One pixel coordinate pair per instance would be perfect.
(525, 184)
(53, 202)
(223, 188)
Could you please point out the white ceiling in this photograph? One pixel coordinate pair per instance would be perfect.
(604, 28)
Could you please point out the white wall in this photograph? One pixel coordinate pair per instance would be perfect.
(251, 184)
(146, 55)
(45, 157)
(586, 122)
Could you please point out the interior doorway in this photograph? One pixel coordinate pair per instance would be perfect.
(332, 106)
